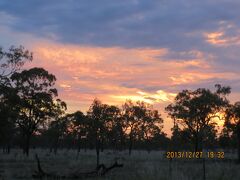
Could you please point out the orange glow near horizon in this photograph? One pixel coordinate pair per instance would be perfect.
(135, 58)
(114, 74)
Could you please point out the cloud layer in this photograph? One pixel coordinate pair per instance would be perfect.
(138, 49)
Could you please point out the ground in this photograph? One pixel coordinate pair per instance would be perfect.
(139, 166)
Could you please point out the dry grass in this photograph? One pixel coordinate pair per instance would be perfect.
(139, 166)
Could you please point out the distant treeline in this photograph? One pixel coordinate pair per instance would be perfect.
(31, 115)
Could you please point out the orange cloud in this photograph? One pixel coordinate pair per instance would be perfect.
(114, 74)
(216, 38)
(220, 37)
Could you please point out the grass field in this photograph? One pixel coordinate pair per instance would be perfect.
(139, 166)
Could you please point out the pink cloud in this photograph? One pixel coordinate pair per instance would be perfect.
(114, 74)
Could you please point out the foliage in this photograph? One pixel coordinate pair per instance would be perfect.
(195, 111)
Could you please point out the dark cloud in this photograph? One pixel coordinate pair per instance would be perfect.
(178, 25)
(127, 23)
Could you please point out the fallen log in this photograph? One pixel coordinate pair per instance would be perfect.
(101, 170)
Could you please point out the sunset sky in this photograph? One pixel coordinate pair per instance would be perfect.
(115, 50)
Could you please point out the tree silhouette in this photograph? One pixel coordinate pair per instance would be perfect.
(116, 128)
(195, 110)
(58, 126)
(228, 137)
(180, 138)
(56, 132)
(11, 61)
(142, 122)
(151, 124)
(233, 122)
(8, 115)
(36, 100)
(97, 129)
(79, 128)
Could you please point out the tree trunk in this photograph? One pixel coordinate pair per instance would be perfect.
(50, 149)
(196, 143)
(27, 144)
(97, 156)
(97, 151)
(85, 144)
(79, 147)
(122, 143)
(238, 141)
(56, 145)
(102, 148)
(55, 149)
(130, 145)
(148, 146)
(8, 149)
(147, 143)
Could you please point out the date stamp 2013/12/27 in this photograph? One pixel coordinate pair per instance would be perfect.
(194, 155)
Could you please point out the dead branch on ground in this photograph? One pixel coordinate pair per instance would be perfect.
(101, 170)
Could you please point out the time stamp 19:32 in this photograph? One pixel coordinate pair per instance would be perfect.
(194, 155)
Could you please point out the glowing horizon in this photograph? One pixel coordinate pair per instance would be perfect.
(137, 50)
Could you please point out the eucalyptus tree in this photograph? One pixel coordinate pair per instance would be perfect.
(34, 88)
(152, 124)
(79, 128)
(8, 115)
(228, 136)
(57, 127)
(96, 124)
(11, 61)
(233, 123)
(116, 127)
(142, 122)
(195, 111)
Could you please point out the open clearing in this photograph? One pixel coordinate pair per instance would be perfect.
(139, 166)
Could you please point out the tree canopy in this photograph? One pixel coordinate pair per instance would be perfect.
(195, 110)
